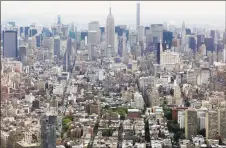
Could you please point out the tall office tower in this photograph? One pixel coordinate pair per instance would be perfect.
(146, 30)
(10, 44)
(138, 51)
(58, 19)
(38, 40)
(183, 36)
(32, 31)
(211, 125)
(120, 46)
(191, 123)
(159, 53)
(26, 32)
(13, 24)
(157, 32)
(72, 34)
(22, 54)
(212, 33)
(209, 42)
(71, 27)
(132, 38)
(69, 47)
(48, 43)
(57, 46)
(46, 32)
(66, 62)
(94, 27)
(200, 40)
(91, 51)
(188, 31)
(48, 131)
(222, 122)
(138, 16)
(84, 34)
(116, 43)
(21, 31)
(93, 37)
(124, 45)
(167, 38)
(140, 34)
(102, 30)
(20, 42)
(192, 43)
(148, 38)
(74, 46)
(110, 33)
(78, 37)
(64, 30)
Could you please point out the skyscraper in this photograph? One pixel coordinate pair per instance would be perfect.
(32, 31)
(138, 16)
(13, 24)
(58, 19)
(26, 31)
(110, 32)
(167, 38)
(57, 45)
(191, 123)
(38, 40)
(48, 131)
(22, 54)
(46, 32)
(102, 30)
(94, 33)
(140, 33)
(21, 30)
(157, 32)
(66, 61)
(10, 44)
(211, 124)
(84, 34)
(183, 36)
(209, 42)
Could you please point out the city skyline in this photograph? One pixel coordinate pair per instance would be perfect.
(150, 12)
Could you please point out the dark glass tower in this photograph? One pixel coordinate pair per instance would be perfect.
(10, 44)
(167, 38)
(48, 131)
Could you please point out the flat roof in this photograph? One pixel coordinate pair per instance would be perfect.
(133, 110)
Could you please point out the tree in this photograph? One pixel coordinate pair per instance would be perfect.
(178, 135)
(167, 113)
(107, 132)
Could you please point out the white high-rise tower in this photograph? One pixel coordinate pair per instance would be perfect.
(110, 33)
(138, 16)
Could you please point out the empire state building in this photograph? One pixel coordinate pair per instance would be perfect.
(110, 34)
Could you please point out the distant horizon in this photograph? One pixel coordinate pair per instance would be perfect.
(194, 13)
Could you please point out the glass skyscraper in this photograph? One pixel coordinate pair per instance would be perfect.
(167, 38)
(10, 44)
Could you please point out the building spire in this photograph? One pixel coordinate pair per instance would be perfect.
(110, 7)
(183, 25)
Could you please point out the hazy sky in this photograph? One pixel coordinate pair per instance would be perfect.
(124, 12)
